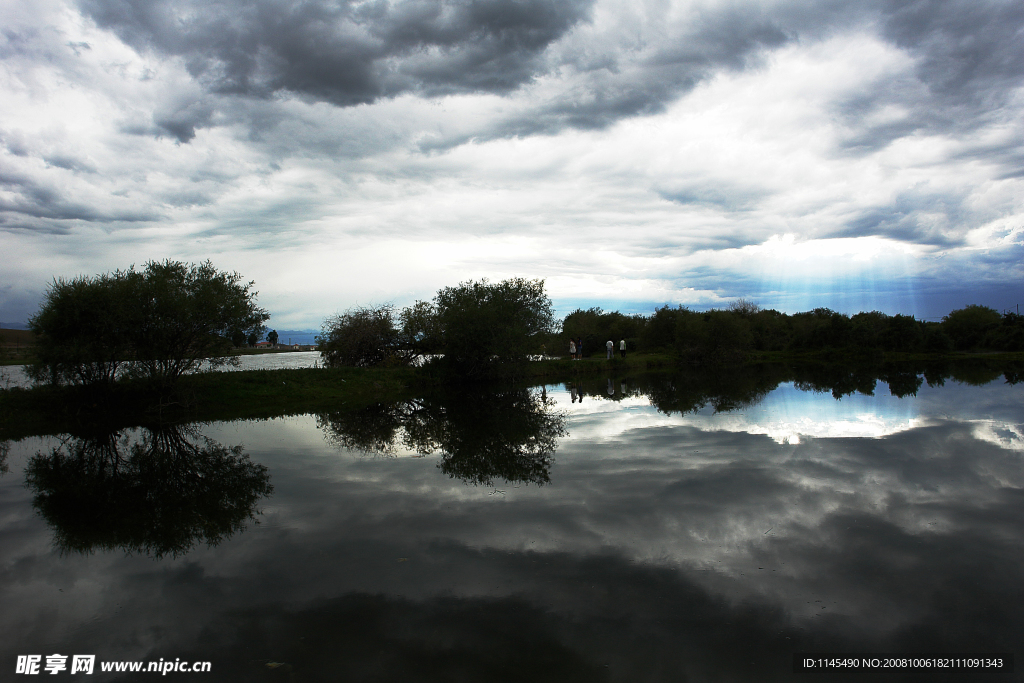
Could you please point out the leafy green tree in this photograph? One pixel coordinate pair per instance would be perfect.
(489, 328)
(364, 336)
(1009, 336)
(770, 329)
(252, 339)
(158, 324)
(272, 337)
(421, 328)
(596, 326)
(83, 329)
(188, 314)
(969, 326)
(660, 331)
(903, 333)
(238, 338)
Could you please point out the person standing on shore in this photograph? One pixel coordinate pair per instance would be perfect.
(572, 354)
(622, 347)
(610, 345)
(579, 348)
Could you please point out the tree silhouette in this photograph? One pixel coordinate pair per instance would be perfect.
(481, 436)
(149, 491)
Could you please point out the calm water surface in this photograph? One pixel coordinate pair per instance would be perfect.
(15, 375)
(567, 533)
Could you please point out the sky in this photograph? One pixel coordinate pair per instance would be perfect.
(854, 154)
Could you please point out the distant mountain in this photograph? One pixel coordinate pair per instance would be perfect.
(303, 337)
(13, 326)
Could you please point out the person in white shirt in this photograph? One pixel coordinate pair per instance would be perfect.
(611, 347)
(622, 347)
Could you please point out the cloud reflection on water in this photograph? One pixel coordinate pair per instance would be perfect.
(666, 546)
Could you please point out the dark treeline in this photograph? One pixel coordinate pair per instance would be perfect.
(744, 328)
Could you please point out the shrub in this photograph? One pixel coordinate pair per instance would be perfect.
(485, 329)
(969, 326)
(364, 336)
(159, 323)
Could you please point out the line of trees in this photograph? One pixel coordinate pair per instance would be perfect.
(744, 327)
(164, 321)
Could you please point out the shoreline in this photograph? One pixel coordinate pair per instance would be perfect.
(265, 394)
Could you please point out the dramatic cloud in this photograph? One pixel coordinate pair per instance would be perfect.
(854, 155)
(347, 53)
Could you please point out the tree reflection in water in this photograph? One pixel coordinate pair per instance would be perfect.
(725, 388)
(482, 436)
(148, 491)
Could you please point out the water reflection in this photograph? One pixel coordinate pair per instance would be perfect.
(151, 491)
(508, 434)
(668, 545)
(792, 403)
(729, 388)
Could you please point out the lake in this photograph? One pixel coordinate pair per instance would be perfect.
(652, 528)
(15, 375)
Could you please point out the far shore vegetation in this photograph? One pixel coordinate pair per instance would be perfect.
(128, 344)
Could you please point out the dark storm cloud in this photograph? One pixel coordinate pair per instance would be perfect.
(969, 60)
(622, 86)
(347, 53)
(971, 52)
(181, 119)
(969, 56)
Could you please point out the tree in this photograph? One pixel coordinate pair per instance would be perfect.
(272, 337)
(83, 329)
(189, 313)
(420, 327)
(488, 329)
(969, 326)
(158, 324)
(364, 336)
